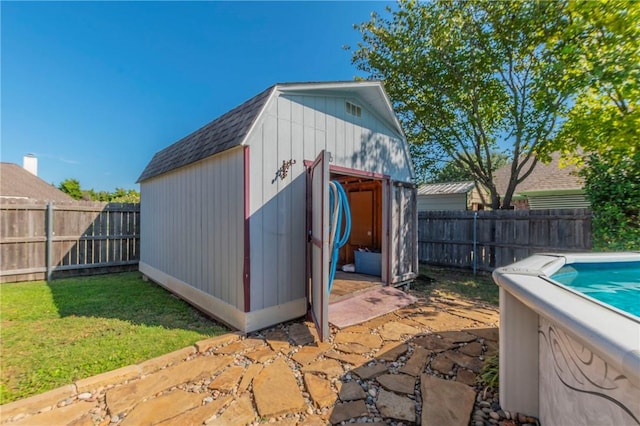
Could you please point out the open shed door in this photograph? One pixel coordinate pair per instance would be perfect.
(404, 232)
(319, 240)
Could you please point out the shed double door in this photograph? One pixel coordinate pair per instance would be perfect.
(401, 244)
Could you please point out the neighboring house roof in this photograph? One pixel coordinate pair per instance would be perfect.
(232, 128)
(18, 183)
(446, 188)
(545, 178)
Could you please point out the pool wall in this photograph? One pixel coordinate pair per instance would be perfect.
(566, 359)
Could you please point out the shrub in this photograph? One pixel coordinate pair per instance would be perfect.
(612, 184)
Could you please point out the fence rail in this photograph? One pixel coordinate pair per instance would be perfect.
(42, 241)
(486, 240)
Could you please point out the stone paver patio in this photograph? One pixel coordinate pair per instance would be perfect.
(416, 365)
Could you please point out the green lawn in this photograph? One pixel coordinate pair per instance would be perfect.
(53, 334)
(459, 283)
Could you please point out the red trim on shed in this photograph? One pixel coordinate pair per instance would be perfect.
(247, 260)
(358, 173)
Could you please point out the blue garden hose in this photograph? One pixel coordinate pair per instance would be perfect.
(338, 207)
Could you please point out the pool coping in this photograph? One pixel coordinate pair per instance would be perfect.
(614, 337)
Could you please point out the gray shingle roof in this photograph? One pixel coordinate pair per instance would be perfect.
(224, 132)
(446, 188)
(17, 183)
(545, 177)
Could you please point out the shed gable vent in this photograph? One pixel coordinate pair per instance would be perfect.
(353, 109)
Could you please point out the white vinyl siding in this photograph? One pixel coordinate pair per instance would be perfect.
(436, 202)
(192, 225)
(559, 201)
(298, 128)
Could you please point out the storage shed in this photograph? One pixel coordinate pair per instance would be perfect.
(234, 217)
(449, 196)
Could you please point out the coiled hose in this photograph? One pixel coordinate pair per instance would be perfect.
(338, 207)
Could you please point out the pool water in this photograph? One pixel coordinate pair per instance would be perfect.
(615, 283)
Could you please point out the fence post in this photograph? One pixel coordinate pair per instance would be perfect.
(49, 255)
(475, 242)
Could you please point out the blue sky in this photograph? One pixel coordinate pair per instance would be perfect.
(95, 89)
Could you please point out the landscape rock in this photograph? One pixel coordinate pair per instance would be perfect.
(307, 354)
(261, 354)
(391, 351)
(441, 321)
(278, 340)
(371, 341)
(471, 363)
(434, 343)
(399, 383)
(348, 410)
(445, 402)
(239, 412)
(466, 376)
(276, 391)
(457, 336)
(330, 367)
(416, 363)
(61, 416)
(162, 408)
(353, 348)
(351, 391)
(248, 376)
(320, 390)
(472, 349)
(367, 372)
(302, 333)
(395, 330)
(229, 378)
(123, 398)
(442, 363)
(396, 407)
(349, 358)
(492, 333)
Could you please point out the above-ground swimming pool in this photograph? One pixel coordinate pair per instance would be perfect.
(570, 338)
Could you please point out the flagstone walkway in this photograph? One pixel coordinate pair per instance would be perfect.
(416, 365)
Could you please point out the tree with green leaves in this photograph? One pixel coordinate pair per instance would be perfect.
(601, 47)
(72, 188)
(452, 172)
(471, 77)
(120, 195)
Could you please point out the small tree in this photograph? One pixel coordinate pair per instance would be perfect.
(469, 76)
(71, 187)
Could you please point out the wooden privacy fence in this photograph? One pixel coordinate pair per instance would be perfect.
(486, 240)
(40, 241)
